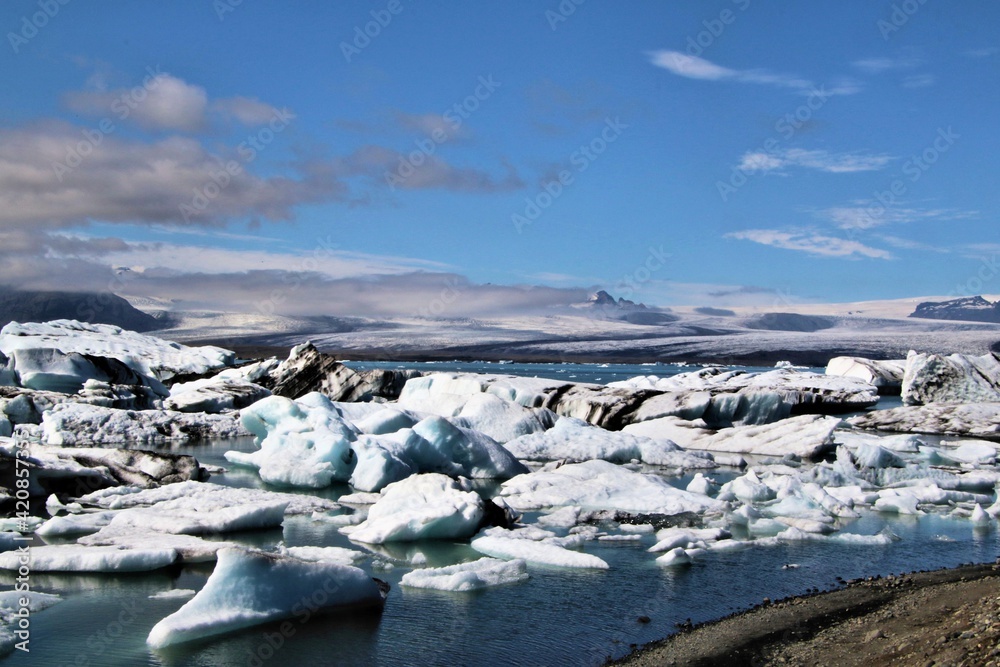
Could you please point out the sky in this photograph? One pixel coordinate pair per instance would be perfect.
(469, 159)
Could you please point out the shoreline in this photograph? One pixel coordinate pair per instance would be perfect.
(928, 617)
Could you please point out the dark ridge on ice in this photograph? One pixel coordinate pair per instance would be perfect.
(789, 322)
(715, 312)
(965, 309)
(90, 307)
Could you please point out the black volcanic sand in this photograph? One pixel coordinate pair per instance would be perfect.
(945, 617)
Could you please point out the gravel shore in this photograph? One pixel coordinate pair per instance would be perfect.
(945, 617)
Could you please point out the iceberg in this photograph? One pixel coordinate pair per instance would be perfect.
(972, 420)
(78, 424)
(250, 587)
(805, 436)
(425, 506)
(599, 485)
(535, 552)
(76, 558)
(473, 576)
(575, 440)
(214, 395)
(146, 355)
(887, 376)
(957, 378)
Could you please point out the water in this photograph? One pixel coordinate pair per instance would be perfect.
(558, 617)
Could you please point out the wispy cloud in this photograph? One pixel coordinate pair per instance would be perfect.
(835, 163)
(984, 52)
(811, 243)
(919, 81)
(910, 244)
(693, 67)
(880, 65)
(864, 215)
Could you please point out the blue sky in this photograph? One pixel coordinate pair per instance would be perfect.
(514, 156)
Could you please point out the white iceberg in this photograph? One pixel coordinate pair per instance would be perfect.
(482, 573)
(601, 485)
(575, 440)
(536, 552)
(426, 506)
(248, 588)
(76, 558)
(79, 424)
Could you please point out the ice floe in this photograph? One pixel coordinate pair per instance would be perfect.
(426, 506)
(482, 573)
(956, 378)
(248, 588)
(535, 552)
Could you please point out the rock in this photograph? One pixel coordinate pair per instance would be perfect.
(957, 378)
(307, 370)
(887, 376)
(966, 309)
(973, 420)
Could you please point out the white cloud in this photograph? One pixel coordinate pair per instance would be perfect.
(882, 64)
(985, 52)
(248, 111)
(693, 67)
(836, 163)
(163, 102)
(864, 215)
(810, 242)
(919, 81)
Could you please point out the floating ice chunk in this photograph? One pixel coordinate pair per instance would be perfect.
(80, 424)
(886, 375)
(386, 420)
(806, 436)
(74, 524)
(672, 538)
(576, 440)
(10, 615)
(214, 395)
(359, 498)
(384, 460)
(564, 517)
(674, 557)
(302, 443)
(250, 587)
(202, 497)
(459, 451)
(868, 455)
(173, 594)
(426, 506)
(481, 573)
(897, 501)
(980, 517)
(148, 355)
(601, 485)
(747, 488)
(973, 420)
(957, 378)
(76, 558)
(191, 549)
(619, 538)
(536, 552)
(706, 486)
(502, 419)
(326, 554)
